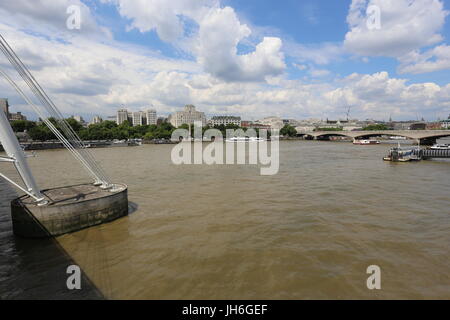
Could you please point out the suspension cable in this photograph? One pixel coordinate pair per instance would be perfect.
(73, 143)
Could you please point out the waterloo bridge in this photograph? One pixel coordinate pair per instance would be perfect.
(426, 137)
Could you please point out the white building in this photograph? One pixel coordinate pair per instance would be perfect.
(138, 118)
(188, 116)
(304, 129)
(225, 120)
(96, 120)
(122, 116)
(273, 122)
(151, 117)
(445, 124)
(79, 119)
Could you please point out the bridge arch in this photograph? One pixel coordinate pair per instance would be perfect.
(368, 134)
(333, 134)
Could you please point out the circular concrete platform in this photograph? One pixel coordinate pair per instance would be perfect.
(70, 209)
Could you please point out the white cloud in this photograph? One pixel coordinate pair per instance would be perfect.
(321, 54)
(435, 59)
(319, 72)
(215, 44)
(406, 25)
(49, 17)
(300, 67)
(166, 17)
(219, 34)
(85, 76)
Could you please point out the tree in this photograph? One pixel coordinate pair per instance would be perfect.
(329, 129)
(373, 127)
(41, 133)
(76, 126)
(288, 131)
(22, 125)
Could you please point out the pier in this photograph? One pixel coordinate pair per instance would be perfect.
(425, 154)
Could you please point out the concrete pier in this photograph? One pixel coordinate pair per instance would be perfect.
(70, 209)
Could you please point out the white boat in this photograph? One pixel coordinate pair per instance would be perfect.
(244, 139)
(365, 142)
(438, 146)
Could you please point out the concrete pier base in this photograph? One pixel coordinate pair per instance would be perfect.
(70, 209)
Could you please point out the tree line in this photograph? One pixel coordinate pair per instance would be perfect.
(110, 130)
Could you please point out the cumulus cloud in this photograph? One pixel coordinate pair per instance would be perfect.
(219, 34)
(85, 76)
(321, 54)
(406, 25)
(435, 59)
(50, 17)
(215, 39)
(165, 17)
(378, 95)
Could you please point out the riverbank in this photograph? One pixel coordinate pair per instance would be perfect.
(50, 145)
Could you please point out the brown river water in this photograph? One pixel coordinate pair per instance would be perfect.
(226, 232)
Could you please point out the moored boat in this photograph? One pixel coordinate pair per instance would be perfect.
(438, 146)
(244, 139)
(365, 142)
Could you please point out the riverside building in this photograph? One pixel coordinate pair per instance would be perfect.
(151, 117)
(138, 118)
(225, 120)
(188, 116)
(122, 116)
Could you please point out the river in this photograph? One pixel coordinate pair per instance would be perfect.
(226, 232)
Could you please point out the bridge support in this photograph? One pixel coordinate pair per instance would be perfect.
(428, 141)
(17, 157)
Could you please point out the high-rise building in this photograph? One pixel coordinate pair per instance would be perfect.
(188, 116)
(122, 116)
(150, 116)
(138, 118)
(4, 106)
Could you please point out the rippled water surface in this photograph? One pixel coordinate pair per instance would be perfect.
(222, 232)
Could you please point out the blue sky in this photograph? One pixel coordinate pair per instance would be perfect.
(309, 22)
(293, 59)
